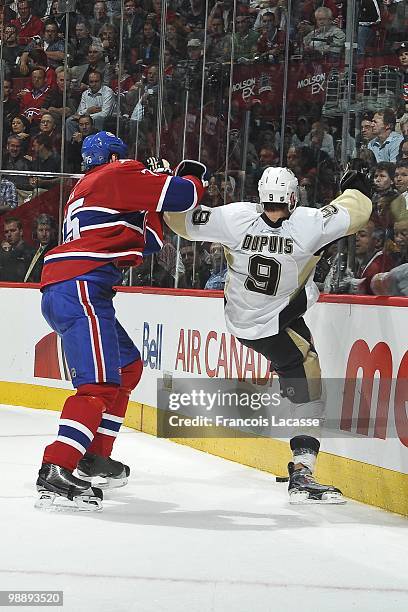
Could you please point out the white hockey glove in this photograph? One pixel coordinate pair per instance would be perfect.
(160, 166)
(190, 167)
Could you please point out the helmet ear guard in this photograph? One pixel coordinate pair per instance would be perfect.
(279, 186)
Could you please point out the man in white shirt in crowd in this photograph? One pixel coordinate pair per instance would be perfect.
(98, 101)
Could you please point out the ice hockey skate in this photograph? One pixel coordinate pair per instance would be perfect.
(303, 489)
(103, 472)
(59, 490)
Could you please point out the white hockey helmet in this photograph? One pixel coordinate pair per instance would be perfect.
(279, 186)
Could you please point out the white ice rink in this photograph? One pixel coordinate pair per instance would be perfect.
(191, 533)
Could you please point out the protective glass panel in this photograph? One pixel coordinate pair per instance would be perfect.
(240, 86)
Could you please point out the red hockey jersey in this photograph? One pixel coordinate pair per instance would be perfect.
(113, 215)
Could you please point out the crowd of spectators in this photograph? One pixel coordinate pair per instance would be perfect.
(106, 76)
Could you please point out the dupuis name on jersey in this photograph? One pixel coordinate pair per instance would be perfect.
(152, 346)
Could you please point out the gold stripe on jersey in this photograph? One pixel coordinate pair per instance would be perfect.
(358, 206)
(304, 274)
(311, 364)
(177, 223)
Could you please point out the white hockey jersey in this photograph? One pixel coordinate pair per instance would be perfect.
(270, 265)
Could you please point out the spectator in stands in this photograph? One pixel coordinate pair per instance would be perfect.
(225, 189)
(218, 42)
(10, 106)
(37, 58)
(60, 17)
(20, 128)
(49, 127)
(143, 99)
(15, 160)
(218, 267)
(326, 38)
(399, 206)
(308, 8)
(401, 240)
(382, 214)
(404, 126)
(301, 131)
(50, 44)
(132, 24)
(196, 270)
(268, 156)
(271, 44)
(370, 258)
(366, 131)
(293, 158)
(225, 10)
(369, 16)
(97, 101)
(53, 46)
(368, 158)
(6, 13)
(320, 140)
(95, 61)
(82, 41)
(148, 49)
(100, 17)
(402, 52)
(109, 37)
(15, 261)
(74, 156)
(45, 233)
(385, 144)
(273, 7)
(194, 49)
(12, 50)
(8, 196)
(403, 151)
(245, 39)
(32, 99)
(27, 24)
(384, 178)
(45, 160)
(55, 98)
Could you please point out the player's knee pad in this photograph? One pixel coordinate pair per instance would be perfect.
(100, 394)
(302, 383)
(131, 375)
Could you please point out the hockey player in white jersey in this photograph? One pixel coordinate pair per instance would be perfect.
(272, 249)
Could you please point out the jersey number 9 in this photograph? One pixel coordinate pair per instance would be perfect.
(263, 275)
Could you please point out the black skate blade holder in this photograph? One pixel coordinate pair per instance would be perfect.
(282, 478)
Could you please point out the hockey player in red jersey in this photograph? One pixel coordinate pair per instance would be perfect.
(113, 218)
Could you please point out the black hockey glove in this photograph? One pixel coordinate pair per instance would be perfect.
(192, 168)
(352, 179)
(161, 166)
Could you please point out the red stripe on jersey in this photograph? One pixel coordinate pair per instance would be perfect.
(95, 332)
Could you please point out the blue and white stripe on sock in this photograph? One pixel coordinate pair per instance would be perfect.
(74, 434)
(110, 425)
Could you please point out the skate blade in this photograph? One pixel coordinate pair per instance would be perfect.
(52, 502)
(303, 497)
(104, 482)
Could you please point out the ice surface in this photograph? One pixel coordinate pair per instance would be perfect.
(191, 533)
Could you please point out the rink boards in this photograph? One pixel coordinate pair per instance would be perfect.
(183, 335)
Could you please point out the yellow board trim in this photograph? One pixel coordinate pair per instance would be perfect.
(363, 482)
